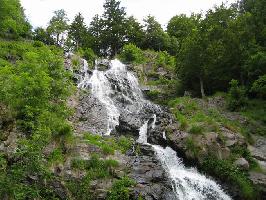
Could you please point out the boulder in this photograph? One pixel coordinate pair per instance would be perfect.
(242, 163)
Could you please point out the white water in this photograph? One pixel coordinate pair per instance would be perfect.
(187, 183)
(125, 83)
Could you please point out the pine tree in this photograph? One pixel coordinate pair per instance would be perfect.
(78, 30)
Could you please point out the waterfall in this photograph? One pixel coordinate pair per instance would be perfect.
(187, 183)
(119, 92)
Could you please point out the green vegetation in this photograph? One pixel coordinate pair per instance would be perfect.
(194, 118)
(222, 50)
(108, 144)
(226, 171)
(95, 168)
(34, 89)
(13, 23)
(131, 53)
(121, 189)
(236, 96)
(259, 87)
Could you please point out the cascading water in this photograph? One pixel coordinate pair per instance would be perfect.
(187, 183)
(118, 90)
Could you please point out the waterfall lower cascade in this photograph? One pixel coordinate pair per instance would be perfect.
(187, 183)
(118, 90)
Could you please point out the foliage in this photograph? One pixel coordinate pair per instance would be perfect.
(132, 54)
(196, 129)
(113, 28)
(42, 35)
(134, 32)
(34, 88)
(89, 55)
(121, 189)
(192, 147)
(196, 118)
(259, 87)
(13, 23)
(78, 33)
(236, 96)
(228, 172)
(95, 168)
(109, 144)
(57, 26)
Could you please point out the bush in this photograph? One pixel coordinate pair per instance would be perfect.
(226, 171)
(120, 189)
(236, 96)
(259, 87)
(132, 54)
(163, 59)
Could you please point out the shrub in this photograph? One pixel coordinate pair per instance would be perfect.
(132, 54)
(236, 96)
(259, 87)
(163, 59)
(120, 189)
(124, 144)
(226, 171)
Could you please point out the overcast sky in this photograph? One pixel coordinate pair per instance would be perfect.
(39, 12)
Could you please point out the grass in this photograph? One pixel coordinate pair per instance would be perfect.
(196, 119)
(226, 171)
(109, 144)
(121, 189)
(192, 147)
(95, 169)
(192, 117)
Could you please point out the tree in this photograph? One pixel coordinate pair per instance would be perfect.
(58, 25)
(181, 26)
(13, 22)
(113, 33)
(78, 31)
(257, 8)
(42, 35)
(192, 66)
(95, 30)
(134, 32)
(155, 37)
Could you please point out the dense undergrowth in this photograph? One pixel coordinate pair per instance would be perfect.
(34, 90)
(33, 93)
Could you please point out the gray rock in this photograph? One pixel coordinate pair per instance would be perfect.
(242, 163)
(152, 181)
(259, 179)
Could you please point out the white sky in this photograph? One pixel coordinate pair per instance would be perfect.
(39, 12)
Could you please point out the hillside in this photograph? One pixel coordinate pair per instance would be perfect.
(120, 109)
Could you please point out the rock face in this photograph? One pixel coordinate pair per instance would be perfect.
(90, 115)
(152, 181)
(258, 151)
(242, 163)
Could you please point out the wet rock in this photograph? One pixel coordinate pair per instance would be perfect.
(103, 64)
(151, 179)
(242, 163)
(90, 115)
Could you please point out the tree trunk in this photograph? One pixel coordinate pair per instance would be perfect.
(202, 88)
(57, 39)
